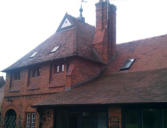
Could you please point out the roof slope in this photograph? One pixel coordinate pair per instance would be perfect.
(73, 41)
(150, 54)
(123, 87)
(145, 81)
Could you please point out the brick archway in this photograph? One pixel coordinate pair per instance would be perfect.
(10, 119)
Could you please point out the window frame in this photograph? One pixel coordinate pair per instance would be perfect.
(59, 68)
(128, 64)
(140, 112)
(30, 124)
(16, 75)
(35, 72)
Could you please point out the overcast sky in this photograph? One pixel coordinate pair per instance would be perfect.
(26, 23)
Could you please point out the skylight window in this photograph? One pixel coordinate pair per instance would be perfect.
(34, 54)
(127, 65)
(54, 49)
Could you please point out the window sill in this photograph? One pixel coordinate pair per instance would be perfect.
(61, 86)
(32, 89)
(13, 91)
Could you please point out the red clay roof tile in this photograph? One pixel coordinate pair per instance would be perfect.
(123, 87)
(144, 82)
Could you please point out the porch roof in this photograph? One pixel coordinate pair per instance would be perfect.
(116, 88)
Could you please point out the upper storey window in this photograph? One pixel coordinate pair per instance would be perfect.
(35, 72)
(58, 68)
(16, 75)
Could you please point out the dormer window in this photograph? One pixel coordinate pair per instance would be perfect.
(33, 55)
(35, 72)
(54, 49)
(127, 65)
(16, 75)
(59, 68)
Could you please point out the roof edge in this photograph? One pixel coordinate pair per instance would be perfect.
(138, 40)
(74, 55)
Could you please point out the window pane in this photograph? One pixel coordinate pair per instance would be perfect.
(28, 120)
(16, 75)
(131, 119)
(102, 120)
(33, 120)
(62, 67)
(165, 118)
(35, 72)
(88, 120)
(58, 68)
(62, 119)
(151, 118)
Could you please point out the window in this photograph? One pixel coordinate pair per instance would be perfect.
(131, 119)
(145, 118)
(30, 120)
(33, 55)
(16, 75)
(151, 118)
(35, 72)
(62, 68)
(54, 49)
(81, 119)
(59, 68)
(127, 65)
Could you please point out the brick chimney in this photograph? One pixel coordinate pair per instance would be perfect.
(105, 36)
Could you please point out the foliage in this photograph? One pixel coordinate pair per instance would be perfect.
(2, 81)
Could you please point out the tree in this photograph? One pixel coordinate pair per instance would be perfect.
(2, 81)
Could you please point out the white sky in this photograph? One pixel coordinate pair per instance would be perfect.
(26, 23)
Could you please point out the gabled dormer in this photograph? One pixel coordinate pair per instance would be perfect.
(66, 23)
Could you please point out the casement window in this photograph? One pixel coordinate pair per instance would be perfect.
(58, 68)
(30, 119)
(16, 75)
(35, 72)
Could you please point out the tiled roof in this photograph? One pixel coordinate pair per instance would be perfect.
(150, 54)
(117, 88)
(144, 82)
(74, 41)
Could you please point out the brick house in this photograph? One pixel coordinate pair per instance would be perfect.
(80, 78)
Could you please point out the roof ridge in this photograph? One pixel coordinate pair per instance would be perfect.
(78, 20)
(147, 38)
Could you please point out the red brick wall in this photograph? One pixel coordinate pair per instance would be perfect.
(79, 71)
(23, 104)
(20, 95)
(58, 80)
(82, 71)
(33, 85)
